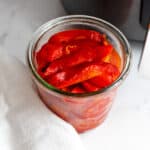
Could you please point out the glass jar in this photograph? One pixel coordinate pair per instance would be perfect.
(83, 111)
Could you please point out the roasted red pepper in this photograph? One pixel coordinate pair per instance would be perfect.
(78, 34)
(114, 59)
(52, 51)
(109, 75)
(78, 89)
(89, 86)
(86, 54)
(78, 56)
(79, 74)
(48, 53)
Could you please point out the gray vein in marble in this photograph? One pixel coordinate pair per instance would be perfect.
(19, 19)
(3, 38)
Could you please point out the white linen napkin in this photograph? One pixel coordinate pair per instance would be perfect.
(25, 122)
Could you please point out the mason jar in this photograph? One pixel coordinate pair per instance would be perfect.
(87, 110)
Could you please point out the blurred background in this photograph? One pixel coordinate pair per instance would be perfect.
(20, 18)
(130, 16)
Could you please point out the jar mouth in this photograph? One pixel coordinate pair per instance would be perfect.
(55, 22)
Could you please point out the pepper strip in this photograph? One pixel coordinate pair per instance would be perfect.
(76, 34)
(89, 87)
(105, 79)
(84, 55)
(79, 74)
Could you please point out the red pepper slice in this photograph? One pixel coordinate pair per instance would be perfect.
(107, 78)
(86, 54)
(78, 89)
(70, 47)
(52, 51)
(75, 34)
(89, 86)
(79, 44)
(114, 59)
(79, 74)
(48, 53)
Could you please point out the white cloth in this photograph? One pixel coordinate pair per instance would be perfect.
(25, 122)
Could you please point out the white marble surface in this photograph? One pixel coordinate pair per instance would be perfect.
(20, 18)
(128, 124)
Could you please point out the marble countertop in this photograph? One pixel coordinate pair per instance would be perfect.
(128, 124)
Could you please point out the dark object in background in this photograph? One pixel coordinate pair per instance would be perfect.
(145, 12)
(116, 11)
(130, 16)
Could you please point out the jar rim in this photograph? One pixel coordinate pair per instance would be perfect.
(42, 29)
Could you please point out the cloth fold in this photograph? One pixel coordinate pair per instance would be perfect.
(25, 122)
